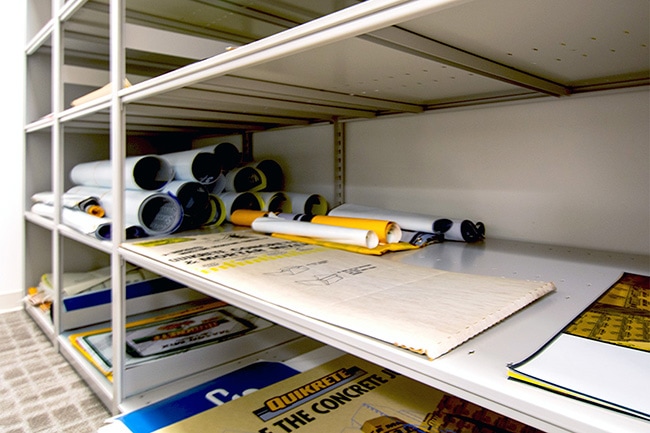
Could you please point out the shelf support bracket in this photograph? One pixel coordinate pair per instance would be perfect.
(247, 147)
(406, 41)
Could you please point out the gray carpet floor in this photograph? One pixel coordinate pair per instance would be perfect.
(39, 391)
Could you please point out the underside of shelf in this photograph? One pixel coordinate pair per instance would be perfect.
(466, 53)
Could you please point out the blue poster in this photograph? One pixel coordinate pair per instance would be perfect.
(206, 396)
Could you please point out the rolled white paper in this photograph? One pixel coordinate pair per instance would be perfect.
(146, 172)
(310, 204)
(455, 230)
(86, 204)
(228, 155)
(273, 173)
(77, 219)
(245, 179)
(342, 235)
(218, 186)
(218, 212)
(196, 165)
(240, 200)
(465, 230)
(157, 213)
(406, 220)
(275, 201)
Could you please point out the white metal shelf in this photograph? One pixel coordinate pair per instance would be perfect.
(320, 61)
(477, 369)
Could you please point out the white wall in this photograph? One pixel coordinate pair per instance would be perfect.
(11, 120)
(573, 171)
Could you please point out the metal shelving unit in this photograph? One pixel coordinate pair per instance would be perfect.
(219, 68)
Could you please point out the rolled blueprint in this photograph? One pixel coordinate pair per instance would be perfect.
(147, 172)
(245, 179)
(87, 204)
(388, 232)
(217, 212)
(158, 213)
(275, 201)
(273, 173)
(78, 220)
(460, 230)
(341, 235)
(240, 200)
(228, 155)
(310, 204)
(195, 200)
(197, 165)
(218, 186)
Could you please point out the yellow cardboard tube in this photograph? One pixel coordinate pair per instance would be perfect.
(245, 217)
(388, 232)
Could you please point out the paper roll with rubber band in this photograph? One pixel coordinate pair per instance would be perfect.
(195, 201)
(457, 230)
(240, 200)
(158, 213)
(310, 204)
(147, 172)
(196, 165)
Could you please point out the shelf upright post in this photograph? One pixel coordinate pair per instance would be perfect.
(247, 147)
(339, 162)
(57, 163)
(118, 153)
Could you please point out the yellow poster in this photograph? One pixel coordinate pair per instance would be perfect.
(348, 395)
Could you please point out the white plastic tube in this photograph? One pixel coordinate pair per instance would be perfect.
(342, 235)
(146, 172)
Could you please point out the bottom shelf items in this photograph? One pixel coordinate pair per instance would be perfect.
(343, 394)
